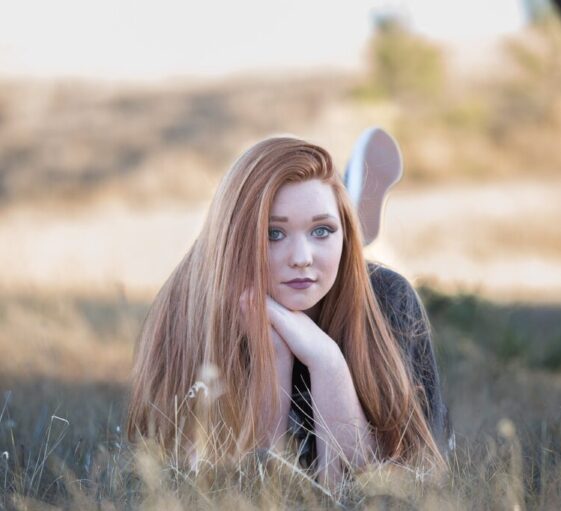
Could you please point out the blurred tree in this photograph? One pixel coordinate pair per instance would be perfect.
(526, 105)
(402, 65)
(533, 93)
(538, 10)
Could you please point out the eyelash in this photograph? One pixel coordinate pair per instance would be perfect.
(325, 227)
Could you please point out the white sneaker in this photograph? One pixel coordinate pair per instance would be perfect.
(375, 166)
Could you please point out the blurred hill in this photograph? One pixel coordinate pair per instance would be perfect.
(74, 141)
(70, 142)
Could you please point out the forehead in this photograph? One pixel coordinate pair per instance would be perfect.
(313, 196)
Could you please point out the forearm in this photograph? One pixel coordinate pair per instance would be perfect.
(340, 424)
(341, 427)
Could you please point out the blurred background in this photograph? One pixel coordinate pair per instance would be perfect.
(117, 120)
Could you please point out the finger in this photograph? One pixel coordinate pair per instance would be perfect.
(246, 299)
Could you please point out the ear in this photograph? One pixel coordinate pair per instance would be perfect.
(375, 166)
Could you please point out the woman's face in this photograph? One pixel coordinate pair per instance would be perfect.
(305, 242)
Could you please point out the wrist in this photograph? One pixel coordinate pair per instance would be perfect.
(284, 363)
(283, 354)
(331, 359)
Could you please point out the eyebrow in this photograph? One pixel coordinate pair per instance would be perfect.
(317, 217)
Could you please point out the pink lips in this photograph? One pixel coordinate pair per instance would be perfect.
(300, 283)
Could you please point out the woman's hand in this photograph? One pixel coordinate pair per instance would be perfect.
(293, 333)
(307, 341)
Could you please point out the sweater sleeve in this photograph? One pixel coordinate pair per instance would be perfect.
(408, 320)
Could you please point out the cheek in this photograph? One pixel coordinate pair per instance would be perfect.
(332, 256)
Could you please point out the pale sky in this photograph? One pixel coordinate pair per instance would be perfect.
(148, 39)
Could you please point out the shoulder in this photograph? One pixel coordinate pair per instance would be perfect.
(408, 321)
(387, 282)
(399, 302)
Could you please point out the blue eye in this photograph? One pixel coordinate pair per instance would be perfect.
(326, 231)
(274, 235)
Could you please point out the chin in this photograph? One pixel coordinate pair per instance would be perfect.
(298, 304)
(296, 308)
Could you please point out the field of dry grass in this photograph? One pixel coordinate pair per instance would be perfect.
(64, 369)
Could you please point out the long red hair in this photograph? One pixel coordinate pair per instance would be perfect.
(195, 321)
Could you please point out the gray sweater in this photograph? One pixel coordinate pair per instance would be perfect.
(400, 304)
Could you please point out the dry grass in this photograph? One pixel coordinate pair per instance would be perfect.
(65, 364)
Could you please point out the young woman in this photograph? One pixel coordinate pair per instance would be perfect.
(310, 340)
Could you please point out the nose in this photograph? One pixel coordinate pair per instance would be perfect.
(300, 254)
